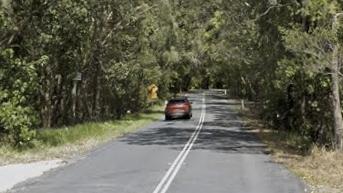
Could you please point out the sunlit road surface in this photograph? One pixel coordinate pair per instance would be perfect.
(211, 153)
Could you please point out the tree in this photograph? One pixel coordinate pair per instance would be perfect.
(336, 101)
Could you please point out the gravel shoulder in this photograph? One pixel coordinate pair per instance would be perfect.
(11, 175)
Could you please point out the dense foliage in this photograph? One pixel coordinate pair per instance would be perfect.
(286, 55)
(280, 53)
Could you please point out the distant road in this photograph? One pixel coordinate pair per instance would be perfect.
(211, 153)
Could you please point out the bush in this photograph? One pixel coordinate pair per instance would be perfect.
(17, 86)
(15, 124)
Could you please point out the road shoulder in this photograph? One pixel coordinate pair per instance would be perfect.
(19, 166)
(11, 175)
(319, 169)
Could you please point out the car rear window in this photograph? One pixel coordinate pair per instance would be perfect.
(176, 101)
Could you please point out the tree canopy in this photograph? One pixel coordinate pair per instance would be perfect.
(283, 54)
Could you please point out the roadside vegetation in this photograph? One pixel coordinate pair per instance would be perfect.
(321, 168)
(72, 141)
(72, 62)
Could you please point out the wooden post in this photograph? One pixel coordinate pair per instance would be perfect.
(242, 105)
(74, 91)
(77, 78)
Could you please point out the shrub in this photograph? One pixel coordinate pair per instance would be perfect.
(16, 123)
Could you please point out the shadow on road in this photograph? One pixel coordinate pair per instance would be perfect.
(220, 140)
(222, 132)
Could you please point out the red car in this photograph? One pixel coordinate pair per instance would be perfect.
(178, 108)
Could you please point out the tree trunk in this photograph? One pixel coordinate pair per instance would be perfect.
(74, 100)
(46, 91)
(336, 104)
(47, 108)
(97, 93)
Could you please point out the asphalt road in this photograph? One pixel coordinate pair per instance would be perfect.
(211, 153)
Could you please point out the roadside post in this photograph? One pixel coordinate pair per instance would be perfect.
(242, 105)
(76, 80)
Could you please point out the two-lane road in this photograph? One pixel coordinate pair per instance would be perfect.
(211, 153)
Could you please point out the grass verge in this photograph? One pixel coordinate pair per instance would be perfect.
(68, 142)
(321, 169)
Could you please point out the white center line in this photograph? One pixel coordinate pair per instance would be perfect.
(168, 178)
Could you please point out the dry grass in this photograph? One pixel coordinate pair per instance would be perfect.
(321, 169)
(66, 151)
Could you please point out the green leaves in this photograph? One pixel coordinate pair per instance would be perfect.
(320, 10)
(275, 51)
(17, 122)
(17, 82)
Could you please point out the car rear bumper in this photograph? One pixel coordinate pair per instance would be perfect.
(177, 114)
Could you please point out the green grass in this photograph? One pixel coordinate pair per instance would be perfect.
(66, 142)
